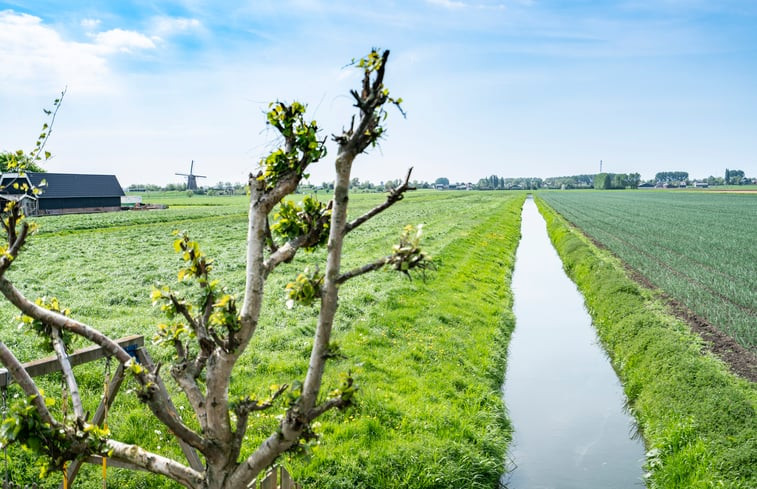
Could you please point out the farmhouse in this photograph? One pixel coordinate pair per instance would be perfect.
(62, 193)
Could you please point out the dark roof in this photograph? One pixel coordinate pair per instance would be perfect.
(72, 185)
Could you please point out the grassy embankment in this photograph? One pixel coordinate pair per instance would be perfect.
(433, 360)
(698, 420)
(428, 357)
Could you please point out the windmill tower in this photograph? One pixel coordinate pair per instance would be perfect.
(191, 177)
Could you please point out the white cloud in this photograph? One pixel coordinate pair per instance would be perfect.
(119, 40)
(90, 24)
(36, 59)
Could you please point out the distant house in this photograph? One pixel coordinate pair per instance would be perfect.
(701, 185)
(646, 185)
(62, 193)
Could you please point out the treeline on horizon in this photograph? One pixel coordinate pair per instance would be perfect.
(602, 181)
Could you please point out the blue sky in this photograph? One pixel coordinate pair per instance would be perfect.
(509, 87)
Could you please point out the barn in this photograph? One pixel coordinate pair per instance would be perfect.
(62, 193)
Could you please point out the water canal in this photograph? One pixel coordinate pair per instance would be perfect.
(565, 402)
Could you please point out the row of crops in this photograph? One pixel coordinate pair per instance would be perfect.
(697, 247)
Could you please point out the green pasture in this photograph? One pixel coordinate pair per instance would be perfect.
(698, 420)
(429, 356)
(698, 247)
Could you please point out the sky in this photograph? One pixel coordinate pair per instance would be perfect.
(511, 88)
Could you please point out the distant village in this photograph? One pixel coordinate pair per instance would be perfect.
(80, 193)
(671, 179)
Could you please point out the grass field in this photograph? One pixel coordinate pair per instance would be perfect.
(428, 356)
(698, 247)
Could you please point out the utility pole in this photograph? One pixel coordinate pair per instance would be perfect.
(600, 166)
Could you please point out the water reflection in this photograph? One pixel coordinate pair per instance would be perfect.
(562, 395)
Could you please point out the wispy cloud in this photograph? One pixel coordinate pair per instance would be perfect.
(169, 26)
(481, 5)
(451, 4)
(90, 24)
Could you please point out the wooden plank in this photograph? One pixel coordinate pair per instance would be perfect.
(286, 480)
(270, 481)
(50, 364)
(97, 460)
(98, 419)
(189, 452)
(68, 372)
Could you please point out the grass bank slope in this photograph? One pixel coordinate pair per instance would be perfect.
(698, 420)
(432, 359)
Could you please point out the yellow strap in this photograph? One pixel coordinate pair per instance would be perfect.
(65, 476)
(105, 426)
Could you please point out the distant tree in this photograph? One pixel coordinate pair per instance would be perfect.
(735, 177)
(603, 181)
(442, 181)
(727, 178)
(210, 330)
(671, 177)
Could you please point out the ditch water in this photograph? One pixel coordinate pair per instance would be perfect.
(571, 429)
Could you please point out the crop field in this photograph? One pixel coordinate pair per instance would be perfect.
(428, 355)
(698, 247)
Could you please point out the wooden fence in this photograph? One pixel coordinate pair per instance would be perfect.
(276, 478)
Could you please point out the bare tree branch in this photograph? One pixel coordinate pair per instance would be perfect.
(183, 375)
(334, 403)
(243, 410)
(395, 195)
(156, 464)
(289, 434)
(16, 242)
(350, 145)
(23, 379)
(370, 267)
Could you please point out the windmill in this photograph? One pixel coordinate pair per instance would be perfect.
(191, 177)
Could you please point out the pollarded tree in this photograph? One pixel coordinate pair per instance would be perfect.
(210, 332)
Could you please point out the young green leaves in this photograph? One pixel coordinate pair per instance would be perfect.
(301, 144)
(197, 264)
(44, 330)
(407, 254)
(306, 288)
(309, 216)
